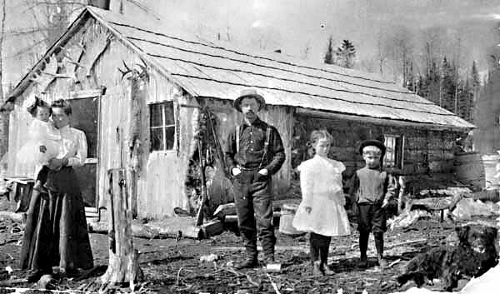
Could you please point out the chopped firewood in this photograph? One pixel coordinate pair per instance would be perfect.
(252, 281)
(275, 287)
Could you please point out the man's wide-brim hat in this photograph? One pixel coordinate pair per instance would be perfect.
(249, 93)
(375, 143)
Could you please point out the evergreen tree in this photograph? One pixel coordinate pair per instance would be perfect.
(430, 84)
(329, 52)
(448, 85)
(465, 100)
(475, 80)
(475, 87)
(410, 81)
(345, 54)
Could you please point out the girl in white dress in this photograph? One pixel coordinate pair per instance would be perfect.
(321, 211)
(44, 141)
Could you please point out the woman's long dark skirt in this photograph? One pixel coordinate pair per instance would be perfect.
(56, 229)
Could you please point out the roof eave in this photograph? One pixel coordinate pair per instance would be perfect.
(383, 121)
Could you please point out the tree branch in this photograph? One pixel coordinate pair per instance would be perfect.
(32, 6)
(27, 49)
(29, 31)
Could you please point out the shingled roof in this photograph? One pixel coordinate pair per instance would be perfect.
(205, 69)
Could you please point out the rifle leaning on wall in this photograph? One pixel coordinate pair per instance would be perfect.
(204, 193)
(206, 136)
(218, 148)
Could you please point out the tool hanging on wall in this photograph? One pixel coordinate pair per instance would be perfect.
(207, 141)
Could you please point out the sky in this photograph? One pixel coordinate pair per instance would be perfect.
(292, 25)
(302, 27)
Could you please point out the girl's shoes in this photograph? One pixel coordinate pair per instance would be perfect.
(363, 262)
(317, 272)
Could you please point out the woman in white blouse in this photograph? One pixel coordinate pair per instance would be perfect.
(56, 229)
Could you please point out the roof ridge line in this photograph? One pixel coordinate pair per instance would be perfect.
(295, 81)
(255, 56)
(276, 68)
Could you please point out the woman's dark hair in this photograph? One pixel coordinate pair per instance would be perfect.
(64, 104)
(33, 108)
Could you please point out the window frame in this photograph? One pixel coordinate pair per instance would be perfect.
(397, 151)
(163, 126)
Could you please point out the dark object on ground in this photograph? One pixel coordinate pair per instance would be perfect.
(473, 256)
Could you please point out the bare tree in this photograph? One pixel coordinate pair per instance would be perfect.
(329, 54)
(47, 22)
(4, 123)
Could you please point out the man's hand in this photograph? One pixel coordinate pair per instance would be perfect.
(347, 202)
(43, 148)
(308, 209)
(264, 172)
(235, 171)
(384, 204)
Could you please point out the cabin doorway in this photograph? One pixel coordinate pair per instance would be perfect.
(85, 117)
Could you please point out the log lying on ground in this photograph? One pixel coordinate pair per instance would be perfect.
(182, 227)
(234, 218)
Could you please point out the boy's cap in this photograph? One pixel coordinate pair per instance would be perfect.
(247, 93)
(375, 143)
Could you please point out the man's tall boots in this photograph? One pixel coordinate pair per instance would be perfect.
(248, 262)
(363, 247)
(379, 244)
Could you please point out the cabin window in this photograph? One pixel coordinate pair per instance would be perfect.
(394, 151)
(162, 126)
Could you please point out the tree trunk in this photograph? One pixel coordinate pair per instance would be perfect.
(4, 118)
(123, 266)
(134, 137)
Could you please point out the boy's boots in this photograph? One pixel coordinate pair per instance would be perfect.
(379, 244)
(363, 247)
(326, 270)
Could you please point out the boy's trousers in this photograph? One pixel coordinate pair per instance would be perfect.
(371, 218)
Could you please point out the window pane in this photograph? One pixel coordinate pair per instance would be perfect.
(156, 115)
(170, 137)
(157, 139)
(389, 159)
(169, 113)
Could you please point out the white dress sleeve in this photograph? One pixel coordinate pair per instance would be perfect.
(306, 183)
(36, 130)
(339, 168)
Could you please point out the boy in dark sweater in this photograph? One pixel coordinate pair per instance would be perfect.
(370, 191)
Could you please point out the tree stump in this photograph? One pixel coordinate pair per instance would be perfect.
(123, 264)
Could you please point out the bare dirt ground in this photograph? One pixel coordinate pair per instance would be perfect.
(175, 266)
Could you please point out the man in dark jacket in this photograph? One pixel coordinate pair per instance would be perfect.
(254, 153)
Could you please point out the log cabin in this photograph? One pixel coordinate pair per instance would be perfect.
(137, 89)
